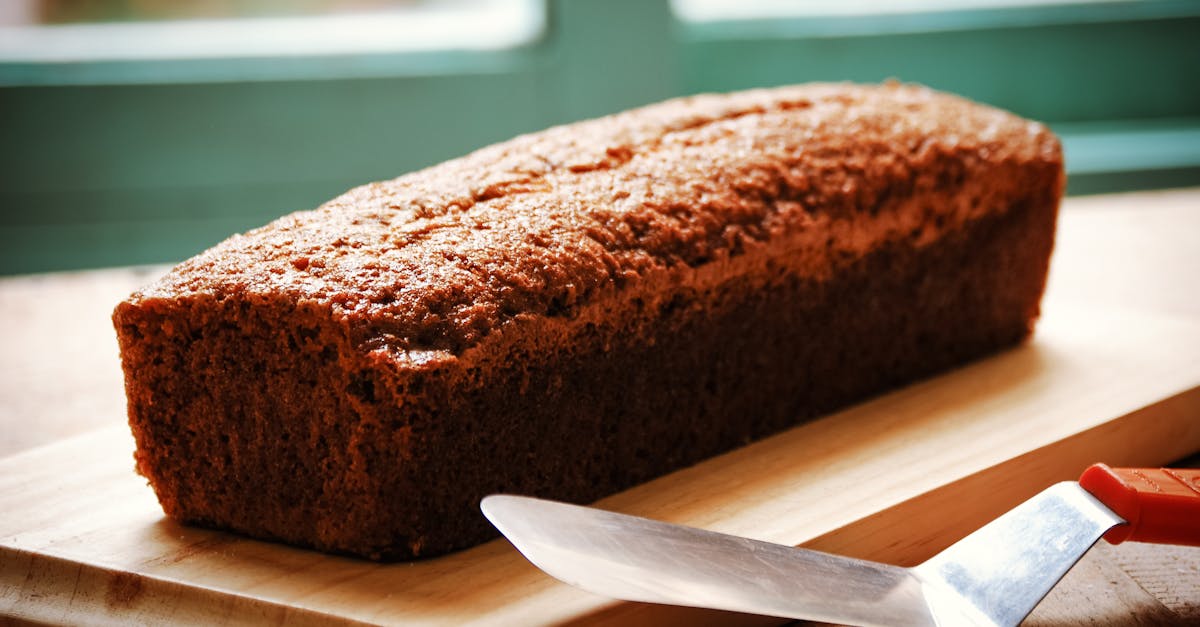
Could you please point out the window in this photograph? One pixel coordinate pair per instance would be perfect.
(146, 140)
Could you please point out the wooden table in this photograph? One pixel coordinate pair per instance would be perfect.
(1122, 254)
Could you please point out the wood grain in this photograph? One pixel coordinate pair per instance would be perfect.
(1170, 574)
(1112, 375)
(896, 479)
(1119, 601)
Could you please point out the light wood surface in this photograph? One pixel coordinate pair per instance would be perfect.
(1112, 375)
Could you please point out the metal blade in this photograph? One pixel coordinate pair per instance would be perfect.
(637, 559)
(1004, 569)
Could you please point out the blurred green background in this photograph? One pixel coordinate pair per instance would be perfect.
(107, 162)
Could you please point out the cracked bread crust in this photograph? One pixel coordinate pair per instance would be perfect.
(578, 310)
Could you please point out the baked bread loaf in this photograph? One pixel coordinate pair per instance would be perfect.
(579, 310)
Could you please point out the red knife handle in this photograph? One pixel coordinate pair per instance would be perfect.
(1160, 505)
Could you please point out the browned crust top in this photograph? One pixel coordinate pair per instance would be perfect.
(548, 222)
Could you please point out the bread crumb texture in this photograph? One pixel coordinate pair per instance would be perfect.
(576, 311)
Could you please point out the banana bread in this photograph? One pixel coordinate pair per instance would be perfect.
(575, 311)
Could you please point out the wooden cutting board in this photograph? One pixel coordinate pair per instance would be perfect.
(82, 539)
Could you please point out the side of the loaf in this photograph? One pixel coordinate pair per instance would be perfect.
(715, 271)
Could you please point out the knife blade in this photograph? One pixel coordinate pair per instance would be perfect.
(994, 576)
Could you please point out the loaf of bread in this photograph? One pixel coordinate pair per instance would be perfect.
(579, 310)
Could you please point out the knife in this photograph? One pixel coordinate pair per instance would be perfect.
(994, 576)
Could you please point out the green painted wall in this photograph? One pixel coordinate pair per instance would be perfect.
(108, 164)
